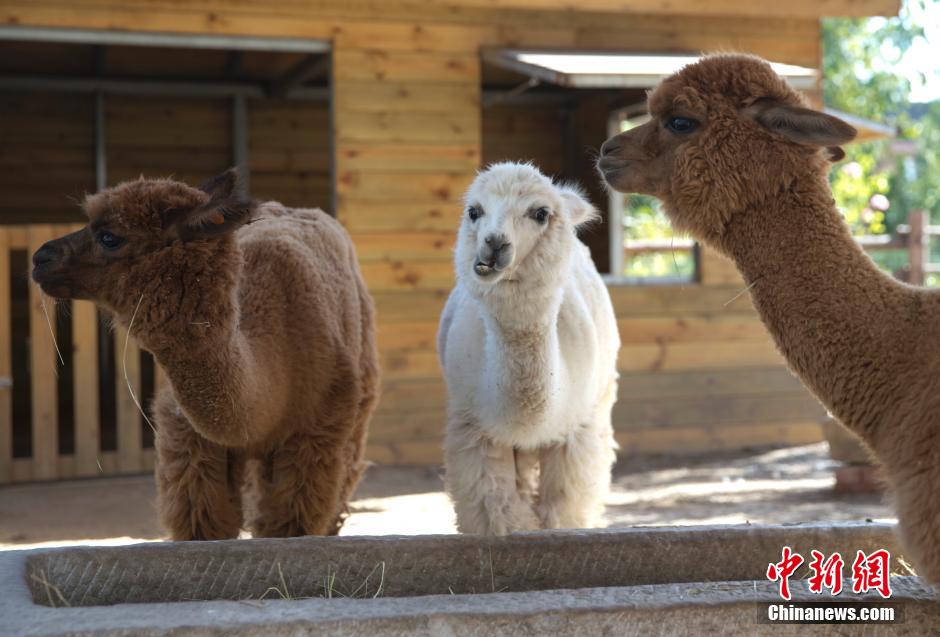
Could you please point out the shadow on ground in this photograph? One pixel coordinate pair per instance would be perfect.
(781, 486)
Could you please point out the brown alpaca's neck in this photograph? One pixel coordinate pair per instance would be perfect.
(845, 327)
(189, 319)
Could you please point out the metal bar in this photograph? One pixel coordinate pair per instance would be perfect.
(101, 153)
(165, 39)
(240, 140)
(492, 98)
(118, 86)
(305, 70)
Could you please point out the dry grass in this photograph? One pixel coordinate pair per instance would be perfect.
(50, 588)
(330, 588)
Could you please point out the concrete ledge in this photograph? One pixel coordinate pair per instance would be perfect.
(630, 581)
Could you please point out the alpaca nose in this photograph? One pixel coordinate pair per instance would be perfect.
(45, 254)
(496, 242)
(611, 147)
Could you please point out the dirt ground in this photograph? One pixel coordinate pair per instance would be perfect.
(779, 486)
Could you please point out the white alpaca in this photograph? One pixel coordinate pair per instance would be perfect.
(528, 342)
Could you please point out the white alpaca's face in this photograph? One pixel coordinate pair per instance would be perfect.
(516, 226)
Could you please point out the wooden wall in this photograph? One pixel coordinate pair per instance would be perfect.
(698, 373)
(46, 155)
(289, 152)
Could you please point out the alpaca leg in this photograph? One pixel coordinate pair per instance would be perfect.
(575, 479)
(480, 477)
(301, 489)
(914, 489)
(198, 482)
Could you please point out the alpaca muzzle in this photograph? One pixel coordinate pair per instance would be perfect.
(493, 257)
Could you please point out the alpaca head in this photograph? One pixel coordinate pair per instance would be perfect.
(517, 227)
(132, 229)
(726, 134)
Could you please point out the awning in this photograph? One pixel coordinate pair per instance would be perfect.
(615, 70)
(581, 70)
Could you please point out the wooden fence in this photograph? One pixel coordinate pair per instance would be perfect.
(64, 415)
(913, 237)
(74, 416)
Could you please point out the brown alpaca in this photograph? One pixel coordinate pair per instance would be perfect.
(259, 317)
(740, 164)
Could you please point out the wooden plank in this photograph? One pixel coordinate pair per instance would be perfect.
(6, 365)
(378, 65)
(392, 186)
(397, 306)
(801, 8)
(694, 440)
(446, 129)
(687, 299)
(127, 372)
(43, 374)
(704, 410)
(86, 410)
(710, 382)
(359, 215)
(688, 356)
(422, 452)
(714, 269)
(683, 329)
(404, 246)
(406, 97)
(399, 275)
(408, 159)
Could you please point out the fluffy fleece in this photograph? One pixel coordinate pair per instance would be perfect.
(528, 342)
(749, 179)
(265, 332)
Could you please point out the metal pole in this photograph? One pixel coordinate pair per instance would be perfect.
(240, 140)
(101, 156)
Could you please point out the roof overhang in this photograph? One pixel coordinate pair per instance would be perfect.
(868, 130)
(616, 70)
(740, 8)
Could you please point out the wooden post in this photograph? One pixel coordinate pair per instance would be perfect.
(6, 368)
(129, 434)
(85, 363)
(918, 246)
(43, 363)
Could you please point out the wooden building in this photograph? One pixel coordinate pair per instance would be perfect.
(379, 112)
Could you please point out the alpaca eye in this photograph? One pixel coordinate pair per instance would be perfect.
(540, 215)
(681, 124)
(474, 213)
(109, 241)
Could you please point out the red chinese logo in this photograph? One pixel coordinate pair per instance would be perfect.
(826, 574)
(783, 569)
(872, 572)
(869, 572)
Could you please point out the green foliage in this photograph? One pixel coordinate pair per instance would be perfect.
(880, 183)
(644, 219)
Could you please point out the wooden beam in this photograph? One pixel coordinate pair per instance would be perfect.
(85, 363)
(43, 365)
(793, 9)
(127, 380)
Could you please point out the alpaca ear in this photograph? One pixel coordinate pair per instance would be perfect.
(577, 207)
(222, 186)
(225, 211)
(802, 125)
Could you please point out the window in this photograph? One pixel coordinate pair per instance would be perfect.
(643, 247)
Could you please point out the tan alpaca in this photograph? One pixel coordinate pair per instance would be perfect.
(740, 164)
(265, 332)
